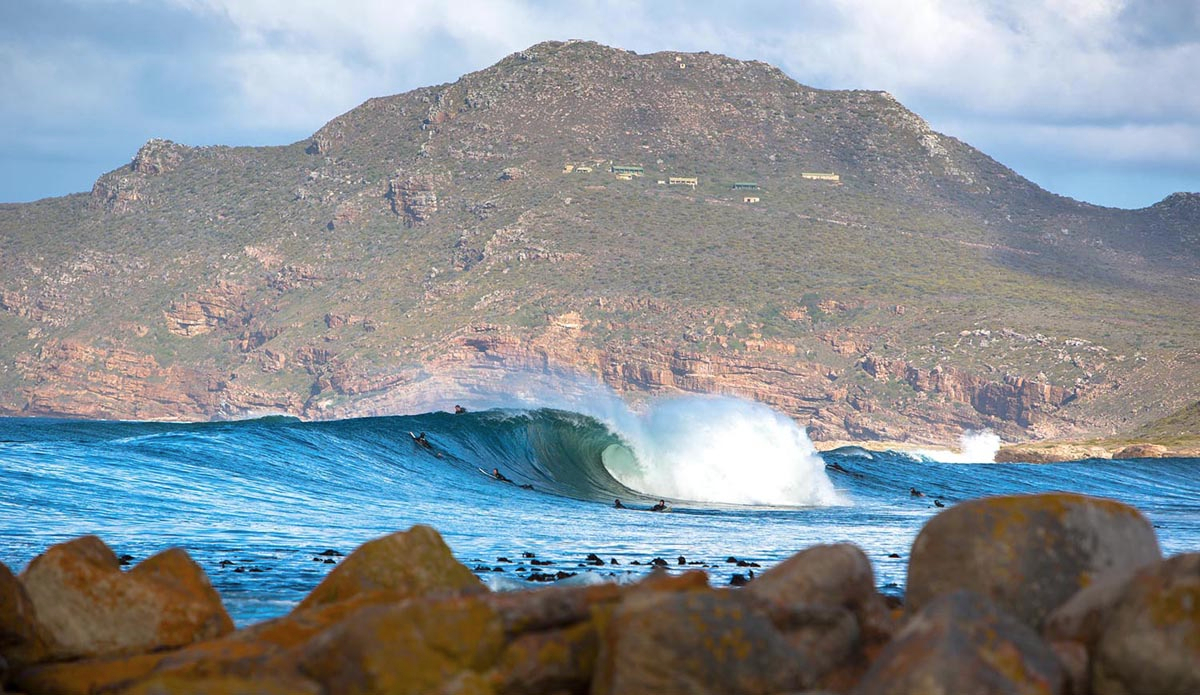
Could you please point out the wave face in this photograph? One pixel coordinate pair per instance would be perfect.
(268, 496)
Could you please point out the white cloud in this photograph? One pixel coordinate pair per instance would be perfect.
(63, 82)
(1168, 144)
(1065, 75)
(1051, 58)
(1067, 58)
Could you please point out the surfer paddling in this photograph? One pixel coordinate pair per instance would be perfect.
(660, 507)
(617, 504)
(497, 475)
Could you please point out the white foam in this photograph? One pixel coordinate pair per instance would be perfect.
(721, 449)
(974, 447)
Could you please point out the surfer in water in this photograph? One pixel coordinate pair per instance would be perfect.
(914, 492)
(499, 476)
(459, 410)
(420, 439)
(617, 504)
(660, 507)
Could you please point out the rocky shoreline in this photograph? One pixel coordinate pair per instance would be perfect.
(1055, 593)
(1059, 451)
(1049, 451)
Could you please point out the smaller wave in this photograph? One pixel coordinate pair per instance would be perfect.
(852, 451)
(974, 447)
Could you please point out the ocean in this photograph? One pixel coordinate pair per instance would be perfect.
(260, 503)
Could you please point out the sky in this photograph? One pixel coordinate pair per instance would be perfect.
(1098, 100)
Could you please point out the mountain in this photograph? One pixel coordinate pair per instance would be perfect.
(662, 223)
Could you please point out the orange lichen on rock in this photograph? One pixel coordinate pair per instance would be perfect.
(963, 643)
(89, 607)
(409, 563)
(1029, 553)
(22, 638)
(1151, 641)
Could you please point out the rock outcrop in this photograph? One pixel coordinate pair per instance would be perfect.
(962, 643)
(1150, 641)
(89, 607)
(695, 642)
(1014, 398)
(159, 156)
(403, 564)
(221, 306)
(1028, 553)
(23, 640)
(414, 198)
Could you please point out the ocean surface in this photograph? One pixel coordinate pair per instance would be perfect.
(257, 503)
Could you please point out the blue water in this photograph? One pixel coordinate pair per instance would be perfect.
(256, 502)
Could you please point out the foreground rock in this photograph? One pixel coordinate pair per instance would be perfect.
(963, 643)
(695, 643)
(22, 639)
(411, 647)
(400, 615)
(89, 607)
(1151, 641)
(1028, 553)
(825, 600)
(405, 564)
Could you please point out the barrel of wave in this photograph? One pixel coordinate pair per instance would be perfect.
(720, 449)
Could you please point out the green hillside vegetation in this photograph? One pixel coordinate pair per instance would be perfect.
(1182, 424)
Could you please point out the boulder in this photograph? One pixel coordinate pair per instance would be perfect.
(1028, 553)
(1074, 627)
(552, 607)
(963, 643)
(828, 638)
(543, 663)
(824, 600)
(1151, 640)
(89, 607)
(404, 564)
(22, 638)
(1142, 451)
(411, 647)
(834, 575)
(1081, 618)
(266, 647)
(694, 642)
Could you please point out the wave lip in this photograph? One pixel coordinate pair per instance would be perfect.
(721, 449)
